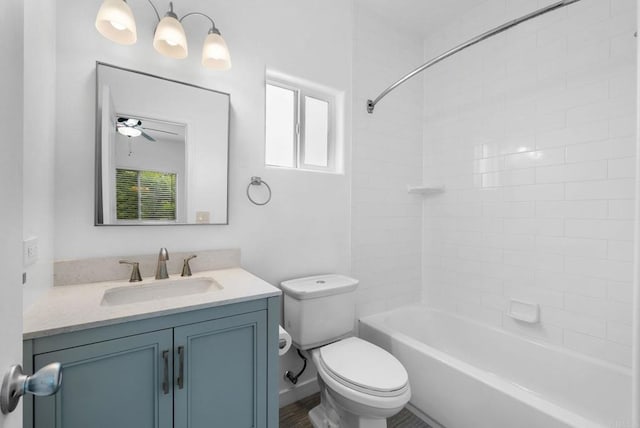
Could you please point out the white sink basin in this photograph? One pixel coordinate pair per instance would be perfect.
(159, 289)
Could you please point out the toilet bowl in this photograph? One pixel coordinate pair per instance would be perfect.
(361, 384)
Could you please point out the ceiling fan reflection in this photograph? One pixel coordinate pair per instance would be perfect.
(131, 127)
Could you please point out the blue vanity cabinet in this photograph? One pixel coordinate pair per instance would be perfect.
(215, 367)
(116, 383)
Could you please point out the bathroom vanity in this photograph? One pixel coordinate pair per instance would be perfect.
(207, 357)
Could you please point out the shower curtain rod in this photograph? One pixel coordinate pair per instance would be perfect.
(371, 104)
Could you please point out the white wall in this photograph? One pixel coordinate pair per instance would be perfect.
(39, 141)
(533, 134)
(387, 157)
(305, 228)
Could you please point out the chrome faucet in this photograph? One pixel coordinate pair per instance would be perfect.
(161, 270)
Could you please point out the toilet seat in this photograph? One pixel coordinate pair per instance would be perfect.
(364, 367)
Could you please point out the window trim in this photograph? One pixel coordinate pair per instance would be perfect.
(302, 91)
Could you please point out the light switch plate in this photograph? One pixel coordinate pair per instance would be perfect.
(30, 251)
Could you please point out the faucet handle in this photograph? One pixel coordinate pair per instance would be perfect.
(186, 269)
(135, 271)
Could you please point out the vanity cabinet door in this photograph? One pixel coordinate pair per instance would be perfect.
(117, 383)
(221, 373)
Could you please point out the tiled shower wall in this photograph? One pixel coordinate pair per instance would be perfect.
(387, 156)
(533, 135)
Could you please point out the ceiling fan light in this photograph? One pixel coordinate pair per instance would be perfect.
(128, 131)
(115, 21)
(169, 38)
(215, 53)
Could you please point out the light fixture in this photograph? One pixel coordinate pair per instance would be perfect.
(169, 38)
(115, 21)
(128, 131)
(215, 53)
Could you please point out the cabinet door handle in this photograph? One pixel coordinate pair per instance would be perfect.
(165, 380)
(181, 368)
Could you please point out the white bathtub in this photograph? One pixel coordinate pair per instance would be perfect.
(468, 375)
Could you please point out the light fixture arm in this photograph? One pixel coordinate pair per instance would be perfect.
(213, 29)
(155, 9)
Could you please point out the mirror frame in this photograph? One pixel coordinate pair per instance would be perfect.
(98, 208)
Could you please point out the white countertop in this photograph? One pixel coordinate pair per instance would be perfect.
(69, 308)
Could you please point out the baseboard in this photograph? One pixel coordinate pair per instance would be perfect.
(420, 414)
(298, 392)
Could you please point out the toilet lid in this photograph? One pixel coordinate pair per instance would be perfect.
(364, 364)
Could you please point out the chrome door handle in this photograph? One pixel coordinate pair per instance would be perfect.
(165, 380)
(15, 384)
(181, 368)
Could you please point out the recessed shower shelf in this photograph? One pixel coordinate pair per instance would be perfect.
(425, 190)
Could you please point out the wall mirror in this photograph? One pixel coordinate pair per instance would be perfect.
(161, 150)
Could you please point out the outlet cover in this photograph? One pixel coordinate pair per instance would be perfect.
(30, 251)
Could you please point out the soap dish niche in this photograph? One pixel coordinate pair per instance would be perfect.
(425, 189)
(526, 312)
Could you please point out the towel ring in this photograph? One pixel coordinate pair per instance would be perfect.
(257, 181)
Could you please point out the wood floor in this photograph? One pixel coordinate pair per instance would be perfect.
(295, 415)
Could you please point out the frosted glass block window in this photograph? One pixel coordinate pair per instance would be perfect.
(299, 127)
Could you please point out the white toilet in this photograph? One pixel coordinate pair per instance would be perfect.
(361, 384)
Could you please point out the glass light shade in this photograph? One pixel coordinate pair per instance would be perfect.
(170, 39)
(129, 132)
(115, 21)
(215, 53)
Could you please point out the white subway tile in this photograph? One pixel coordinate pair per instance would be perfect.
(509, 178)
(622, 168)
(581, 94)
(535, 158)
(606, 269)
(598, 308)
(595, 248)
(535, 295)
(574, 284)
(590, 130)
(572, 321)
(598, 348)
(618, 332)
(623, 46)
(621, 230)
(572, 209)
(623, 7)
(495, 301)
(609, 149)
(481, 314)
(604, 189)
(509, 209)
(584, 116)
(620, 250)
(531, 226)
(572, 172)
(621, 209)
(535, 192)
(619, 291)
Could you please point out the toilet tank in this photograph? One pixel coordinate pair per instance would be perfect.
(319, 309)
